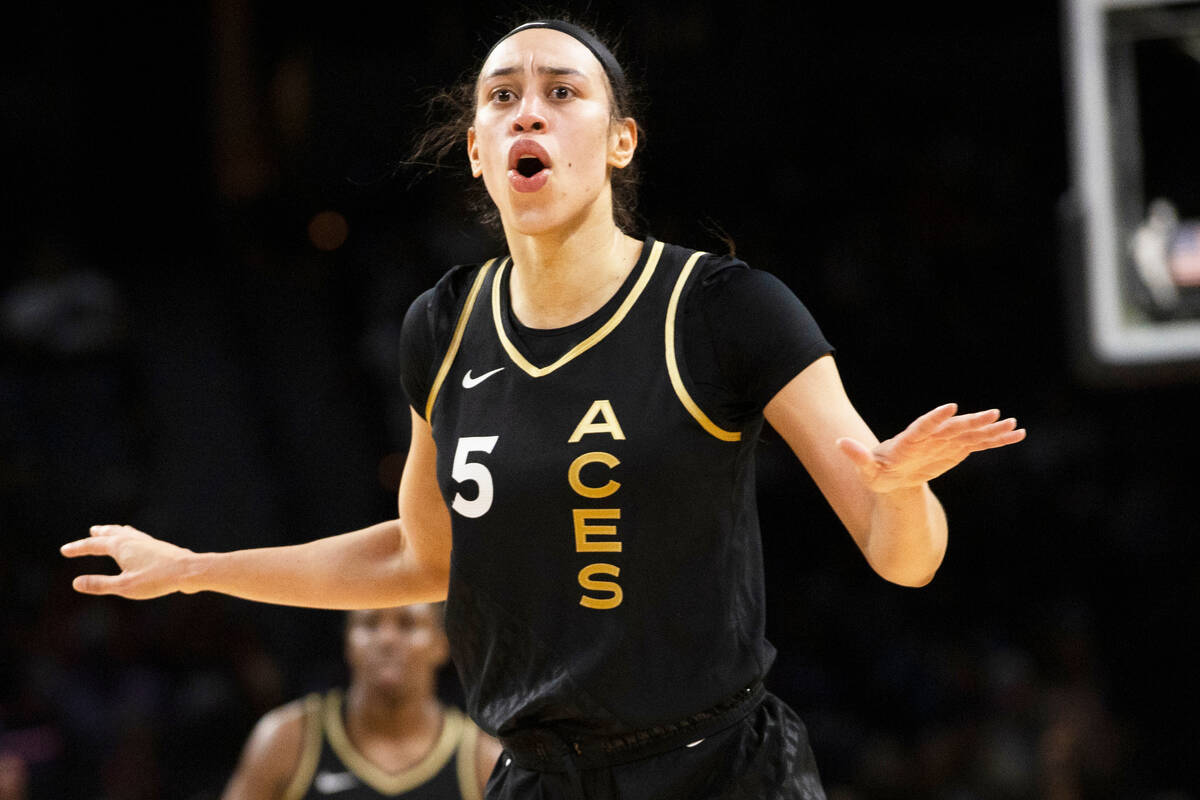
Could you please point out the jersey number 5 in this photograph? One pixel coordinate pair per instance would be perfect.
(464, 470)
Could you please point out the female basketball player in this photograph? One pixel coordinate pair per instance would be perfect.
(584, 418)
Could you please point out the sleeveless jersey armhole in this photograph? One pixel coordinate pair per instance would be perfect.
(311, 752)
(676, 367)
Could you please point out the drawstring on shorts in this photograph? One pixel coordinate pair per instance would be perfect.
(569, 754)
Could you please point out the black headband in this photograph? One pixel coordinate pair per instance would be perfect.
(616, 75)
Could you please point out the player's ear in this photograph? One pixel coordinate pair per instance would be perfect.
(622, 142)
(473, 153)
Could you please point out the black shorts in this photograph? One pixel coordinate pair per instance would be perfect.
(763, 756)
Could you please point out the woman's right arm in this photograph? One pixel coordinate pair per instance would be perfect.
(401, 561)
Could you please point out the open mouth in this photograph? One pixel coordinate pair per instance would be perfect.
(528, 166)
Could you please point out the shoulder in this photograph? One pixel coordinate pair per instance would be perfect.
(724, 290)
(428, 328)
(438, 306)
(723, 278)
(276, 751)
(445, 298)
(281, 730)
(744, 332)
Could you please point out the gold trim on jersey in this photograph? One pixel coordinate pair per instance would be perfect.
(382, 781)
(455, 340)
(310, 755)
(673, 366)
(586, 344)
(468, 763)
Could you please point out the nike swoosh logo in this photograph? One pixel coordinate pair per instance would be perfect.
(334, 782)
(471, 383)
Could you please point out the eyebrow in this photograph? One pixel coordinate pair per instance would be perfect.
(501, 72)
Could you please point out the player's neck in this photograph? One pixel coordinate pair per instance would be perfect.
(563, 277)
(383, 714)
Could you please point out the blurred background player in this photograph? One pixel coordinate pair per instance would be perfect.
(14, 777)
(388, 735)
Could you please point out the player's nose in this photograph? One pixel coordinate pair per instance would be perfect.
(530, 116)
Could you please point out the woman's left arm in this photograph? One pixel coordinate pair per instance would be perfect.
(880, 490)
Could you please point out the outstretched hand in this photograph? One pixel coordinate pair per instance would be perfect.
(933, 444)
(149, 567)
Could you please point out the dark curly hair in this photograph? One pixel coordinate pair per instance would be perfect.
(451, 112)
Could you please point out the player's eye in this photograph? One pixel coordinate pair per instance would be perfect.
(561, 92)
(502, 95)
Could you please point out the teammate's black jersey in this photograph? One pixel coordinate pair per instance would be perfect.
(606, 567)
(331, 767)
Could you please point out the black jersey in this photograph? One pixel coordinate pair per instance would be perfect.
(606, 573)
(331, 767)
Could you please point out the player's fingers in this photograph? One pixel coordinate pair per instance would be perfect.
(86, 547)
(964, 423)
(1010, 435)
(98, 584)
(987, 433)
(930, 421)
(107, 530)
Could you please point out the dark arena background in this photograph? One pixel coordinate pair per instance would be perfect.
(209, 241)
